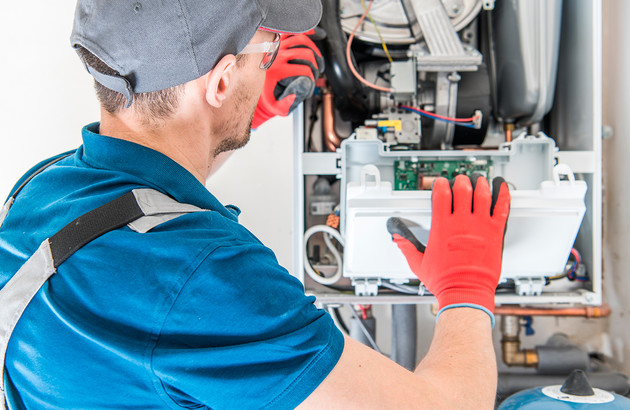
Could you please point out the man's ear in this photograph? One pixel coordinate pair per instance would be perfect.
(219, 79)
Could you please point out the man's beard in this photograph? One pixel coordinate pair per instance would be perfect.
(233, 142)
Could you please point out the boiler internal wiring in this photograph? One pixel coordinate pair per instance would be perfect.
(349, 55)
(570, 272)
(572, 275)
(462, 122)
(380, 36)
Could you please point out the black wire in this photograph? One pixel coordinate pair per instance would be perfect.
(566, 274)
(340, 321)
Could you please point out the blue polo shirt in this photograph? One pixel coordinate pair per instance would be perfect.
(196, 313)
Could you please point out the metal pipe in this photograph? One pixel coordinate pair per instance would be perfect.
(585, 311)
(404, 335)
(560, 359)
(513, 355)
(331, 139)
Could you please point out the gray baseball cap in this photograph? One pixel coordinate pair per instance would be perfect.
(157, 44)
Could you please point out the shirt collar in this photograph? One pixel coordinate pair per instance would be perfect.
(157, 169)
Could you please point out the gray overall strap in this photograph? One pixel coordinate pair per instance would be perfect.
(141, 209)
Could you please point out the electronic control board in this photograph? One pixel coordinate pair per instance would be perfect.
(420, 175)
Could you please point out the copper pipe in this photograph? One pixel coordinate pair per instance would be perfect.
(586, 311)
(331, 139)
(513, 355)
(508, 128)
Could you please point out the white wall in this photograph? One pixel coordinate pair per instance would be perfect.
(46, 95)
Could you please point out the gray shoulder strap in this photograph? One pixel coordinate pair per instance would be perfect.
(142, 211)
(157, 208)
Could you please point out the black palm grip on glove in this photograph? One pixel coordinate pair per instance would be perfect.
(399, 226)
(291, 79)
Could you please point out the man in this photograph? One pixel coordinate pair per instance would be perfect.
(196, 312)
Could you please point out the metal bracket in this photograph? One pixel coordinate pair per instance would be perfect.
(442, 49)
(469, 60)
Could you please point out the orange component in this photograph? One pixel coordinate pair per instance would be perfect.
(333, 221)
(427, 183)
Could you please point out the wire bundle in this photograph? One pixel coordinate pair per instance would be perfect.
(572, 275)
(462, 122)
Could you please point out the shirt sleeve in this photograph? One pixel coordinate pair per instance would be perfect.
(242, 334)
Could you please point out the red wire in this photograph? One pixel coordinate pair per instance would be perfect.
(441, 116)
(576, 254)
(349, 58)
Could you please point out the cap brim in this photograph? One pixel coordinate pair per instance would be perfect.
(292, 16)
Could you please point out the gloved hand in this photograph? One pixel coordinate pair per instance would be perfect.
(461, 264)
(290, 79)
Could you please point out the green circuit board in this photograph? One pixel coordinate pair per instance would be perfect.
(417, 175)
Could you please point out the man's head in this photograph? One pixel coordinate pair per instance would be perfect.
(139, 48)
(231, 91)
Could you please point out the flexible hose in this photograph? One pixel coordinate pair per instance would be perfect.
(307, 264)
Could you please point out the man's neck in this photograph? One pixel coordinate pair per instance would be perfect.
(183, 140)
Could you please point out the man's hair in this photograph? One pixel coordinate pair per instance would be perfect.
(155, 105)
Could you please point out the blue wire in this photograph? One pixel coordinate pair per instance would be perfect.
(573, 276)
(436, 118)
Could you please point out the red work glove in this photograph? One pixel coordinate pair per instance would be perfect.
(461, 264)
(291, 78)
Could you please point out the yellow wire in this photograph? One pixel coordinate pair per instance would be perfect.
(318, 272)
(389, 57)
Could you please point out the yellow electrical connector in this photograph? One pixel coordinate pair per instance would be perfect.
(390, 123)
